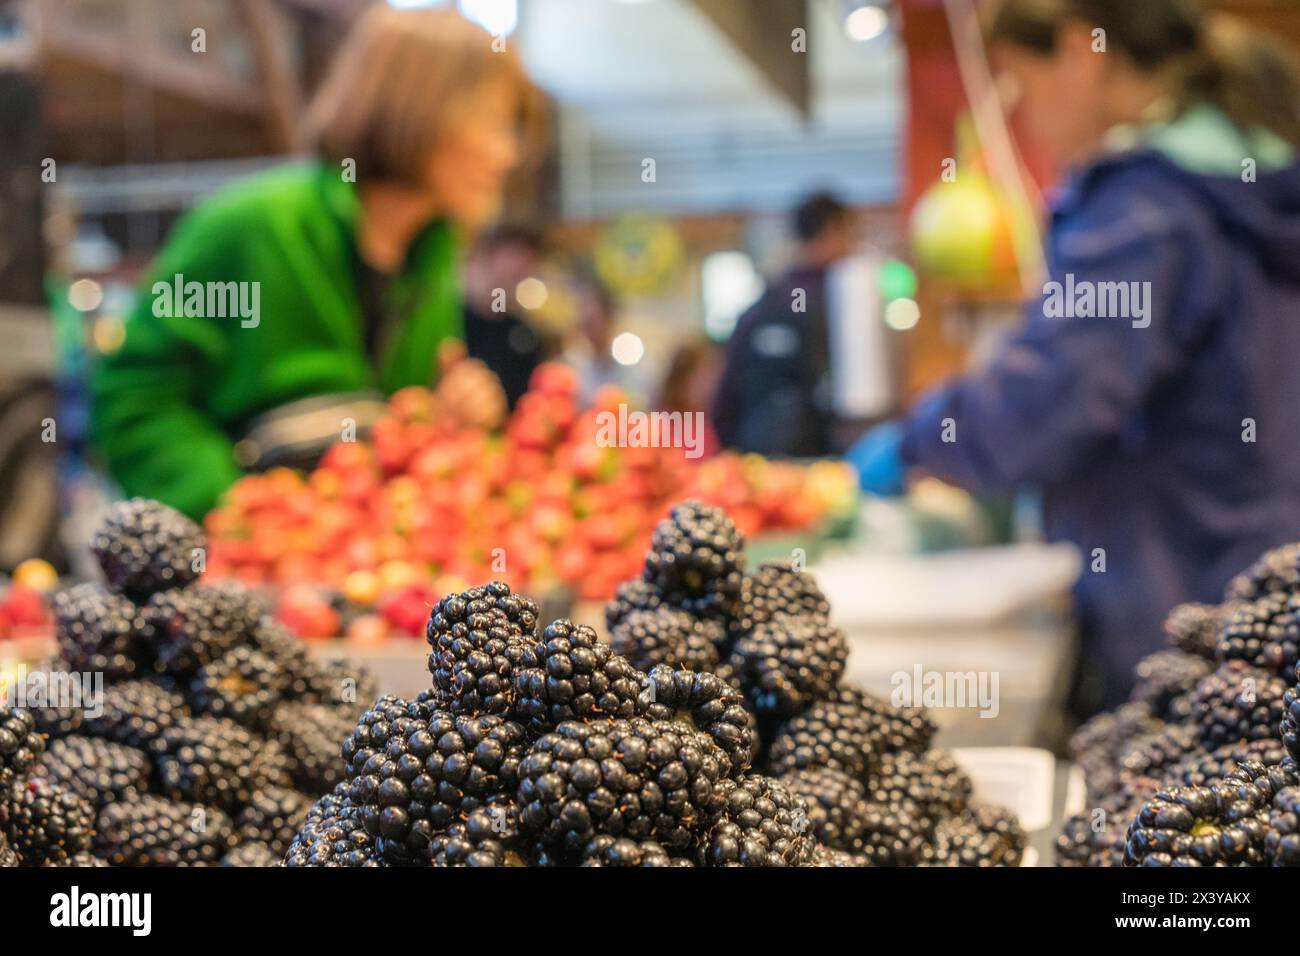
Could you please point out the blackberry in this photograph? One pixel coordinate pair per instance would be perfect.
(1282, 842)
(1196, 826)
(152, 831)
(8, 857)
(1153, 755)
(440, 769)
(697, 560)
(98, 771)
(575, 676)
(486, 837)
(134, 713)
(775, 589)
(309, 735)
(667, 636)
(1098, 837)
(47, 823)
(1265, 633)
(1165, 676)
(79, 861)
(387, 718)
(272, 818)
(1195, 628)
(1236, 703)
(788, 663)
(930, 784)
(200, 624)
(480, 640)
(342, 684)
(1290, 726)
(762, 823)
(890, 836)
(1098, 745)
(825, 857)
(333, 835)
(244, 685)
(837, 807)
(987, 836)
(98, 630)
(251, 854)
(54, 722)
(1276, 571)
(828, 734)
(622, 852)
(641, 779)
(144, 547)
(710, 704)
(214, 761)
(1199, 768)
(20, 746)
(634, 595)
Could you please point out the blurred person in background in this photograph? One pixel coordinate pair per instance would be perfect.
(590, 350)
(774, 395)
(1171, 442)
(354, 257)
(495, 335)
(690, 384)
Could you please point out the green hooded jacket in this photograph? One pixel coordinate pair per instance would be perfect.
(169, 404)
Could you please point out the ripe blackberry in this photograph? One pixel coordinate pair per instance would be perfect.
(711, 705)
(622, 852)
(1282, 842)
(826, 858)
(55, 722)
(1195, 628)
(894, 729)
(931, 784)
(836, 804)
(1277, 570)
(480, 641)
(387, 718)
(488, 836)
(1264, 633)
(309, 735)
(1098, 837)
(828, 734)
(152, 831)
(99, 771)
(251, 854)
(788, 663)
(8, 857)
(776, 589)
(1153, 755)
(642, 779)
(1098, 745)
(890, 836)
(98, 630)
(1236, 703)
(762, 823)
(47, 823)
(244, 685)
(214, 761)
(135, 712)
(987, 836)
(667, 636)
(1197, 826)
(633, 595)
(144, 547)
(423, 781)
(197, 625)
(272, 818)
(1290, 727)
(20, 745)
(1199, 768)
(573, 675)
(1166, 675)
(333, 835)
(697, 560)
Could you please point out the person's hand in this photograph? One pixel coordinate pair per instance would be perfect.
(467, 389)
(877, 457)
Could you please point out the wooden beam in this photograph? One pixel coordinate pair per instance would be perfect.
(762, 32)
(268, 35)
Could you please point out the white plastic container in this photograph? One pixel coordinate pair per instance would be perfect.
(1022, 779)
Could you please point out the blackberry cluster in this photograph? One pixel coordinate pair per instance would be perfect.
(487, 837)
(634, 595)
(931, 785)
(1197, 826)
(828, 734)
(1165, 677)
(1282, 841)
(244, 685)
(1194, 629)
(272, 817)
(622, 852)
(709, 704)
(777, 589)
(1276, 572)
(480, 640)
(20, 746)
(198, 625)
(668, 636)
(1290, 727)
(1199, 768)
(891, 836)
(575, 676)
(837, 807)
(1265, 633)
(144, 547)
(152, 831)
(697, 560)
(100, 631)
(989, 836)
(214, 761)
(762, 823)
(1238, 703)
(309, 735)
(47, 824)
(893, 728)
(333, 835)
(1154, 755)
(135, 713)
(99, 771)
(251, 854)
(788, 663)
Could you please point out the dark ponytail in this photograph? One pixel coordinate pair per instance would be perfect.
(1251, 77)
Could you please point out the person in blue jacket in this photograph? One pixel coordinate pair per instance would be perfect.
(1153, 394)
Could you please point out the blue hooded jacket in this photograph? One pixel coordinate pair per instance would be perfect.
(1166, 445)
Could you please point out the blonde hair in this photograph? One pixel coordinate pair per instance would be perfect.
(399, 82)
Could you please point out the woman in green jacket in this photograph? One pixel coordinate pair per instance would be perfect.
(330, 278)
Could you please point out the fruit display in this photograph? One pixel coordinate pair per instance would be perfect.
(213, 736)
(1199, 767)
(541, 745)
(425, 506)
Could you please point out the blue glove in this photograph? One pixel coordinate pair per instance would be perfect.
(877, 456)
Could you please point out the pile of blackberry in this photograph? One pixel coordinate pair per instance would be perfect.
(215, 729)
(1199, 768)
